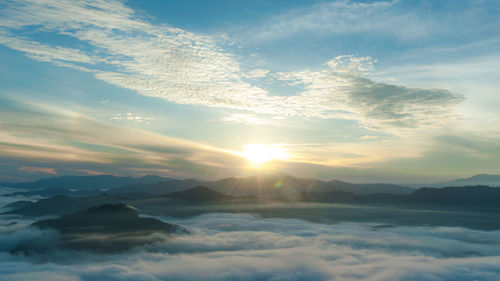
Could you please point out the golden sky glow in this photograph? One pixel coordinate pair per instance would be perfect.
(313, 89)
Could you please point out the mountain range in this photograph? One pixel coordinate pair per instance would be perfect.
(482, 197)
(481, 179)
(85, 182)
(263, 185)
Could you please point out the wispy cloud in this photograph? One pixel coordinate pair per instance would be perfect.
(239, 118)
(390, 20)
(31, 170)
(42, 133)
(368, 137)
(346, 17)
(120, 47)
(131, 117)
(341, 91)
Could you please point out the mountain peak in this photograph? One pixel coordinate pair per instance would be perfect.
(479, 179)
(485, 176)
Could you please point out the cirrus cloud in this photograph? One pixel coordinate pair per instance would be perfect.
(122, 48)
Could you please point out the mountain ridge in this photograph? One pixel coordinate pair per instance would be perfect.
(86, 182)
(262, 185)
(265, 186)
(479, 179)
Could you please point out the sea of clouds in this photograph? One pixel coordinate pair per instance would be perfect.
(247, 247)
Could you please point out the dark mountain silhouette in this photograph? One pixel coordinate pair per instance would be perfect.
(365, 188)
(108, 218)
(462, 197)
(280, 184)
(328, 197)
(106, 228)
(264, 186)
(87, 182)
(453, 197)
(6, 184)
(48, 192)
(482, 196)
(61, 205)
(199, 194)
(157, 188)
(18, 204)
(481, 179)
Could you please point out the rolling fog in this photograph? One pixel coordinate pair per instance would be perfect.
(226, 246)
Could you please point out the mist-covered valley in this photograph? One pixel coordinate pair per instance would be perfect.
(223, 246)
(201, 234)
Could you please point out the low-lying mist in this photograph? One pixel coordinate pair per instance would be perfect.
(225, 246)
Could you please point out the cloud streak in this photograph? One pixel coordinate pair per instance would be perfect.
(346, 17)
(41, 134)
(120, 47)
(32, 170)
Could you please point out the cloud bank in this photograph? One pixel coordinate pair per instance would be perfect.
(119, 46)
(246, 247)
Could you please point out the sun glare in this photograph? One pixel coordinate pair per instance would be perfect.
(261, 153)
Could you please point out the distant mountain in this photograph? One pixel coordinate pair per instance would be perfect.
(106, 228)
(88, 182)
(18, 204)
(479, 197)
(280, 184)
(6, 184)
(265, 186)
(61, 205)
(199, 194)
(328, 197)
(481, 179)
(158, 188)
(49, 192)
(365, 188)
(465, 196)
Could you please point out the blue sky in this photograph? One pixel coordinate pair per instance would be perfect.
(395, 91)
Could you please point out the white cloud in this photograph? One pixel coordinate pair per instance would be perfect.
(256, 73)
(341, 91)
(132, 117)
(181, 67)
(239, 246)
(239, 118)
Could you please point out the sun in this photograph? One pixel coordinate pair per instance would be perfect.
(259, 154)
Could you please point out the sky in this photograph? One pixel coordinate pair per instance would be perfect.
(363, 91)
